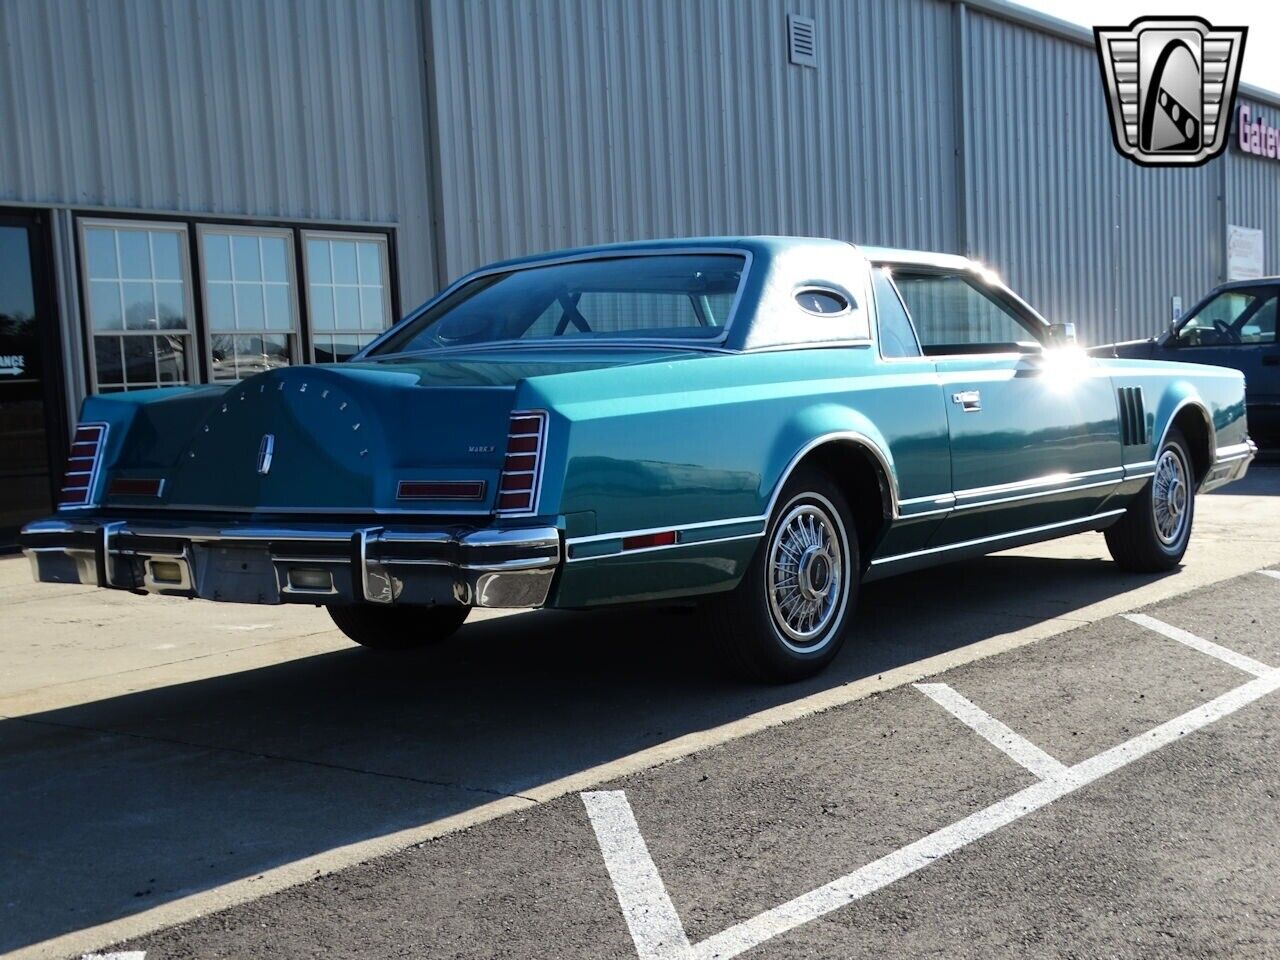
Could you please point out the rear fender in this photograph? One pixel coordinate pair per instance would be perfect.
(813, 428)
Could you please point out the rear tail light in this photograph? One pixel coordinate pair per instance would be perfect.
(135, 487)
(83, 464)
(521, 478)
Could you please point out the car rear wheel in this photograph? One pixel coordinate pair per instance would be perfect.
(398, 628)
(1154, 532)
(787, 618)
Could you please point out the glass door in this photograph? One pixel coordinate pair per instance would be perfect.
(32, 426)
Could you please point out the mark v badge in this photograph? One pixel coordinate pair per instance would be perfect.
(1171, 85)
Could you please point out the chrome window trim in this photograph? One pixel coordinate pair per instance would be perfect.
(553, 260)
(989, 285)
(911, 324)
(831, 289)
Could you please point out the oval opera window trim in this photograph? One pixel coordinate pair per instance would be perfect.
(823, 301)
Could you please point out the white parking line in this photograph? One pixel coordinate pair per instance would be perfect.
(1019, 749)
(1237, 660)
(651, 916)
(1274, 574)
(123, 955)
(659, 934)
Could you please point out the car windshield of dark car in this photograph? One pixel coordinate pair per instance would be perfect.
(662, 297)
(1232, 317)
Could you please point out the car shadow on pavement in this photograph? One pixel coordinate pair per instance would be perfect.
(121, 804)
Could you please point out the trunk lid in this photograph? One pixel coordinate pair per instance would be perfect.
(342, 438)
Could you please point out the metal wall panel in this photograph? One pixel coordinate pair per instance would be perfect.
(308, 110)
(1253, 190)
(568, 122)
(1084, 234)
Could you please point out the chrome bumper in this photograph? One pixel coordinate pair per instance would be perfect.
(254, 563)
(1229, 464)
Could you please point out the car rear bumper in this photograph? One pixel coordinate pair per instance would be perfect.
(303, 563)
(1229, 464)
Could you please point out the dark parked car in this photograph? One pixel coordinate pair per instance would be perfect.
(1233, 326)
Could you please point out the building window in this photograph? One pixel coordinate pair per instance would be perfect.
(347, 292)
(139, 304)
(250, 300)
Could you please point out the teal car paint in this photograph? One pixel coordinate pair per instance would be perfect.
(628, 423)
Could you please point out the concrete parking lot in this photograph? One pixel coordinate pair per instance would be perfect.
(981, 773)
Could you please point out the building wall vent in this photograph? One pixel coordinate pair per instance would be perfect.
(802, 40)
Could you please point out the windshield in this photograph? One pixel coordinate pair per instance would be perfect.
(678, 296)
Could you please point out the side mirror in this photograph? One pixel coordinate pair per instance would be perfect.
(1062, 335)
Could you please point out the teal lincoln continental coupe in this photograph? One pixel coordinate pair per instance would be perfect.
(760, 423)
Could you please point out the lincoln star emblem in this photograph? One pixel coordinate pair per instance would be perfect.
(1171, 85)
(265, 451)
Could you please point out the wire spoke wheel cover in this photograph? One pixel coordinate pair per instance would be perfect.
(1170, 497)
(807, 575)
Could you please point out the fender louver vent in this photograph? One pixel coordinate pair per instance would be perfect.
(1133, 417)
(802, 42)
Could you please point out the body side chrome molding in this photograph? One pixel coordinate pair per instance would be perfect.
(1011, 535)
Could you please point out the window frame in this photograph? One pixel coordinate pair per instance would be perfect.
(475, 275)
(295, 307)
(1262, 295)
(887, 269)
(383, 242)
(192, 331)
(996, 292)
(198, 371)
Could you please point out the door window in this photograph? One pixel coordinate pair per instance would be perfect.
(138, 302)
(1232, 318)
(952, 315)
(897, 339)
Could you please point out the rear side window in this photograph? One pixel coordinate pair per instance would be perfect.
(897, 339)
(952, 315)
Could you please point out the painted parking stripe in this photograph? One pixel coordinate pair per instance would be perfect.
(1019, 749)
(123, 955)
(1274, 574)
(651, 916)
(1237, 660)
(644, 899)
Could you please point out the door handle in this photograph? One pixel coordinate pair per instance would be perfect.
(970, 400)
(1271, 361)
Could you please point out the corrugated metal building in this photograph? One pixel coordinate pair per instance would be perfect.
(191, 190)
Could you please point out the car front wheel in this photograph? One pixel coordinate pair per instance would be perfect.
(787, 618)
(1154, 532)
(397, 628)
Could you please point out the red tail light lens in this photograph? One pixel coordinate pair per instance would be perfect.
(83, 464)
(521, 478)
